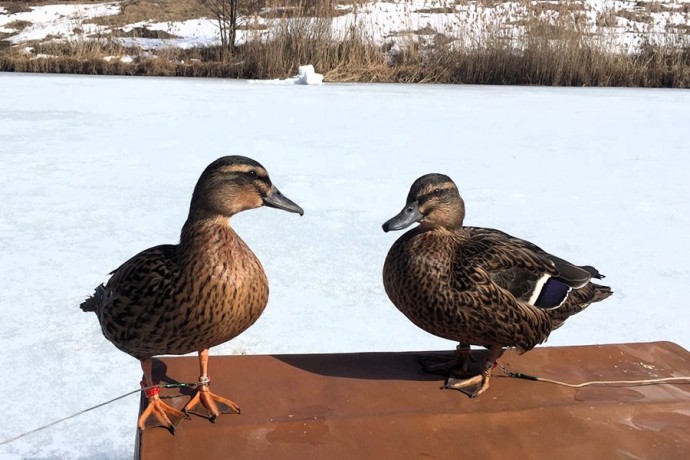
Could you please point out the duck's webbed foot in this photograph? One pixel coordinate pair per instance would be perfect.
(159, 414)
(472, 387)
(477, 385)
(440, 365)
(208, 405)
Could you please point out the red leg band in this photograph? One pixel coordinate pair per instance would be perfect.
(150, 392)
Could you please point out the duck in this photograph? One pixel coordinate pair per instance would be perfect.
(182, 298)
(477, 286)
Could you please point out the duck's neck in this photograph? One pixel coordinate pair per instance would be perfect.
(442, 229)
(207, 237)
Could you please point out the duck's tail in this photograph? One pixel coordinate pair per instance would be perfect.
(601, 292)
(93, 301)
(578, 300)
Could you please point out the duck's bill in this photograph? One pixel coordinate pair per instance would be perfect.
(408, 216)
(277, 200)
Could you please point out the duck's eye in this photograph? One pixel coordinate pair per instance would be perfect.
(437, 191)
(252, 173)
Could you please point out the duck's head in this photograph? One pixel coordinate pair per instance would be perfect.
(233, 184)
(433, 201)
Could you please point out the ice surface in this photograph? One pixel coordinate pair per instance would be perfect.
(95, 169)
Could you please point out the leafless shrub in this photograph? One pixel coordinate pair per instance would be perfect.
(225, 14)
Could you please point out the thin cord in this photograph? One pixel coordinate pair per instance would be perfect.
(602, 383)
(166, 385)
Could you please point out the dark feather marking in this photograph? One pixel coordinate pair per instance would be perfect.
(553, 292)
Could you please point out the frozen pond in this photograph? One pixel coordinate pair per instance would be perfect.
(95, 169)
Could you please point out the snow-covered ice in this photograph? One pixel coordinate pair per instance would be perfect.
(95, 169)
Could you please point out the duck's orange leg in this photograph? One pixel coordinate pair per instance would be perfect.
(157, 413)
(481, 381)
(204, 403)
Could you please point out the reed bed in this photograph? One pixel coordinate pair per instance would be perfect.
(542, 53)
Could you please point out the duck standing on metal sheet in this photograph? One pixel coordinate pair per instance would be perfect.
(204, 291)
(477, 286)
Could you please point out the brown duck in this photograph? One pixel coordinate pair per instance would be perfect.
(477, 286)
(204, 291)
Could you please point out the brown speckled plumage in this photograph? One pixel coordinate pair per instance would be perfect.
(204, 291)
(180, 299)
(477, 285)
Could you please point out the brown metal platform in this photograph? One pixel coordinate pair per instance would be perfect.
(378, 405)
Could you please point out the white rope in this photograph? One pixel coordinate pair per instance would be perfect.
(598, 383)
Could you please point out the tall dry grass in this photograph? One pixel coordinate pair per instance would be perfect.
(541, 53)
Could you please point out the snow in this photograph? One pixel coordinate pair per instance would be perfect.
(95, 169)
(305, 76)
(125, 59)
(61, 21)
(193, 33)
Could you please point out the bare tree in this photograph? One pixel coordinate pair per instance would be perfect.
(225, 14)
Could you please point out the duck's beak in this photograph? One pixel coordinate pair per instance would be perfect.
(275, 199)
(408, 216)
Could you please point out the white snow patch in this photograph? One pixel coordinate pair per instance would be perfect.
(124, 59)
(59, 21)
(306, 75)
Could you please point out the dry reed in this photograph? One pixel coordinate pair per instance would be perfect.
(546, 54)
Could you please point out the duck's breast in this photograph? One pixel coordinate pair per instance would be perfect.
(416, 277)
(229, 291)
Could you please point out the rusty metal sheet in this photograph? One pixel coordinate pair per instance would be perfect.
(378, 405)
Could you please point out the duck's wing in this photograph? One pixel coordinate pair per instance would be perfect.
(136, 295)
(145, 279)
(528, 272)
(491, 283)
(154, 263)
